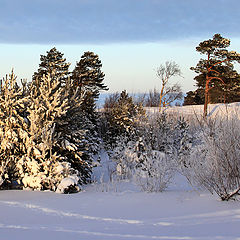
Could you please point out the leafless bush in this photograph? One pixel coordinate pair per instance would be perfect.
(152, 99)
(111, 100)
(215, 163)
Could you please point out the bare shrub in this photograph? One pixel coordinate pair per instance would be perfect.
(215, 162)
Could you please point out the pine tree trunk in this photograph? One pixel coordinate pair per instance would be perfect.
(206, 97)
(206, 89)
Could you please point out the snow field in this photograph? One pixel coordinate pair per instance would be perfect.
(214, 110)
(178, 213)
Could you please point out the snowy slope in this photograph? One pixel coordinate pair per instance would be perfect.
(197, 110)
(178, 213)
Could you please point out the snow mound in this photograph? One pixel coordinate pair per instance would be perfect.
(68, 184)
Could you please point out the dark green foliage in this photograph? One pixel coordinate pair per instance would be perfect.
(194, 97)
(88, 77)
(72, 143)
(226, 92)
(88, 106)
(217, 81)
(122, 116)
(53, 64)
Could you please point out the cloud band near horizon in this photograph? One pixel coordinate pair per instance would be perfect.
(110, 21)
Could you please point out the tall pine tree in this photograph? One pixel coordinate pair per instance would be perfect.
(88, 76)
(217, 66)
(54, 65)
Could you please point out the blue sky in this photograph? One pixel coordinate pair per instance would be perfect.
(131, 37)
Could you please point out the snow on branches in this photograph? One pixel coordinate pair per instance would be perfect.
(30, 137)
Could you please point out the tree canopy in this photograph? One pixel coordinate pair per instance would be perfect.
(216, 74)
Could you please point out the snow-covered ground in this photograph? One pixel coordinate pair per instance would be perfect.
(123, 213)
(197, 110)
(120, 210)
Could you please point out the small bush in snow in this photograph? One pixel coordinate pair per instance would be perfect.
(126, 158)
(155, 172)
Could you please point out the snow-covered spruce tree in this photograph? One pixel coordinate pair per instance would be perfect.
(41, 148)
(73, 143)
(54, 65)
(214, 162)
(41, 167)
(13, 130)
(78, 132)
(183, 141)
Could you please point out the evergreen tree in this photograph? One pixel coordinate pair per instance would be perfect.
(194, 97)
(122, 118)
(88, 76)
(72, 129)
(226, 92)
(13, 129)
(54, 65)
(37, 150)
(41, 167)
(182, 141)
(217, 67)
